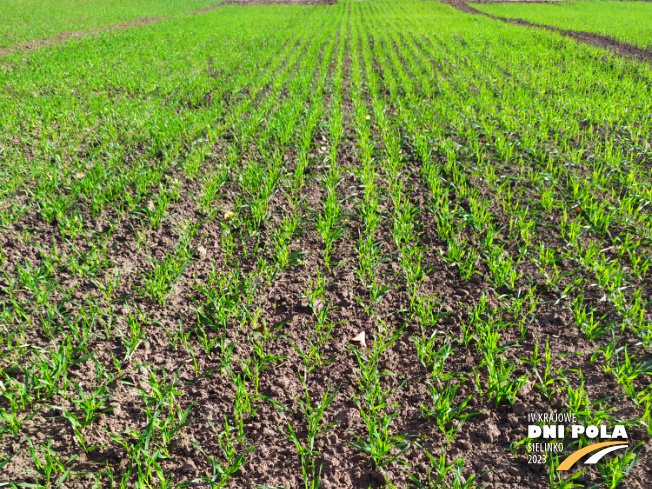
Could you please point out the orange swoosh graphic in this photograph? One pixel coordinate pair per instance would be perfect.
(574, 457)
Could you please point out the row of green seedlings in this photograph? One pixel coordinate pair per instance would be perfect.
(54, 320)
(529, 224)
(260, 182)
(49, 376)
(547, 370)
(144, 177)
(511, 148)
(370, 256)
(328, 225)
(636, 369)
(284, 127)
(304, 141)
(156, 285)
(244, 118)
(166, 418)
(484, 333)
(105, 183)
(376, 410)
(369, 249)
(581, 198)
(632, 315)
(220, 321)
(224, 309)
(39, 374)
(158, 282)
(278, 66)
(432, 349)
(330, 222)
(425, 309)
(312, 359)
(221, 309)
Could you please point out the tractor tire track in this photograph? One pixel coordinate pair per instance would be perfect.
(598, 40)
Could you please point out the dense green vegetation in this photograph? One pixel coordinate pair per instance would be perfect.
(25, 20)
(211, 203)
(629, 22)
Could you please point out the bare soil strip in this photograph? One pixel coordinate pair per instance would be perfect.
(208, 9)
(618, 47)
(64, 36)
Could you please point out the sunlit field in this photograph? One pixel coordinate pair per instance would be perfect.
(347, 245)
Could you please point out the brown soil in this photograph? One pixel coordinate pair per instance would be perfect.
(598, 40)
(208, 9)
(483, 440)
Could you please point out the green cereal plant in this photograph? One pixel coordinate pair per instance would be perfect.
(543, 369)
(52, 471)
(222, 472)
(438, 476)
(313, 413)
(160, 282)
(442, 410)
(615, 470)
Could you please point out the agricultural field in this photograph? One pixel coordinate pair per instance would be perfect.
(326, 245)
(40, 20)
(623, 21)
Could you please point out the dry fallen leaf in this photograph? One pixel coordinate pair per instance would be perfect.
(79, 176)
(359, 339)
(260, 329)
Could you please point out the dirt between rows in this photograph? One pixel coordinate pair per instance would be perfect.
(618, 47)
(483, 440)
